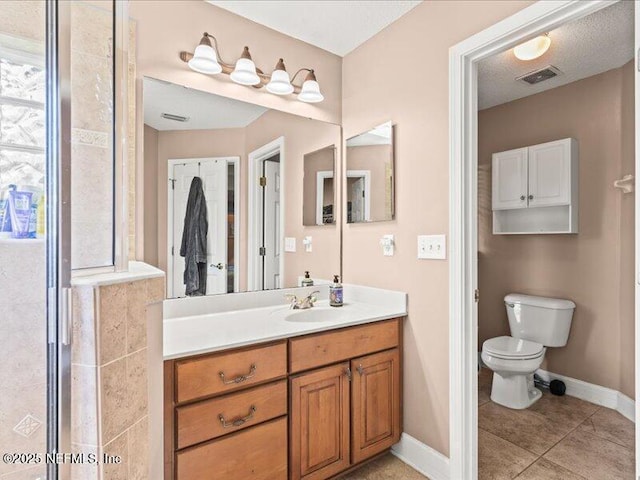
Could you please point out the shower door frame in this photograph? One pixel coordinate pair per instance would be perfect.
(58, 232)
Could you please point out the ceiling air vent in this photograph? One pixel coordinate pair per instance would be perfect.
(176, 118)
(540, 75)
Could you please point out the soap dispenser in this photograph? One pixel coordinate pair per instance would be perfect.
(335, 292)
(307, 281)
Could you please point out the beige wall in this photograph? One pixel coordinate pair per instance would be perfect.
(151, 195)
(322, 160)
(377, 159)
(588, 268)
(418, 105)
(169, 26)
(302, 135)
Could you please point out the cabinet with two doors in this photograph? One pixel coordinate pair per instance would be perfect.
(309, 407)
(535, 189)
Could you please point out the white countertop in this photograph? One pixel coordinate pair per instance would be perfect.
(209, 332)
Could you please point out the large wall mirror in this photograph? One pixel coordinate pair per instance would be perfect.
(245, 165)
(370, 176)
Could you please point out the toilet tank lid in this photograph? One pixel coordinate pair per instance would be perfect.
(543, 302)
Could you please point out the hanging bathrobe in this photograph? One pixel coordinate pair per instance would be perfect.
(194, 241)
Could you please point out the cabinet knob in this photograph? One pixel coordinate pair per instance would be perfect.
(530, 197)
(522, 197)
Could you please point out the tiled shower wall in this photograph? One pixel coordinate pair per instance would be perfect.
(92, 109)
(109, 398)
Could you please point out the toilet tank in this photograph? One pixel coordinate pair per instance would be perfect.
(539, 319)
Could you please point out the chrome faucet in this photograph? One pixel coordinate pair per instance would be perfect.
(302, 303)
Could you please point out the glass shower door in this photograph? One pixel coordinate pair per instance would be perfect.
(34, 239)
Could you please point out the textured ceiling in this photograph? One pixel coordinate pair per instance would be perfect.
(338, 26)
(594, 44)
(205, 110)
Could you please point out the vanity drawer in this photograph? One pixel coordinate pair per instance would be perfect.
(224, 372)
(258, 453)
(331, 347)
(201, 421)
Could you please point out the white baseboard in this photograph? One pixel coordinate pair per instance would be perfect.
(422, 458)
(590, 392)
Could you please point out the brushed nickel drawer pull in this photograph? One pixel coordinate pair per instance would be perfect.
(237, 421)
(240, 378)
(360, 370)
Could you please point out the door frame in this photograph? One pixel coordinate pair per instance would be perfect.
(236, 220)
(541, 17)
(253, 238)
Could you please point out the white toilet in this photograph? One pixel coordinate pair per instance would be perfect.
(535, 323)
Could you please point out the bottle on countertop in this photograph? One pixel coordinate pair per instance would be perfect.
(335, 292)
(307, 281)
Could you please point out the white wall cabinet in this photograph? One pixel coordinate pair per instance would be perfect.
(535, 189)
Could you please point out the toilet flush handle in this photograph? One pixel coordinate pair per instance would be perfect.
(510, 305)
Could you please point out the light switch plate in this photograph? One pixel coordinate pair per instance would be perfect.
(432, 247)
(290, 244)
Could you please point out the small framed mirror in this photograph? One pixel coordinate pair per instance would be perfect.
(318, 206)
(370, 176)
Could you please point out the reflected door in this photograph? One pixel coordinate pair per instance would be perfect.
(213, 173)
(271, 225)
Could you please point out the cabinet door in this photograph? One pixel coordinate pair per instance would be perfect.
(509, 179)
(320, 423)
(550, 174)
(376, 403)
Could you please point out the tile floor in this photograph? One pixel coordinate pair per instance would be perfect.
(558, 438)
(386, 467)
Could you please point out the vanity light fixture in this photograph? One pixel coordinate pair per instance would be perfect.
(280, 84)
(206, 59)
(534, 48)
(245, 71)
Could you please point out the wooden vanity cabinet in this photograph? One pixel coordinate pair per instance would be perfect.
(343, 406)
(320, 423)
(346, 413)
(375, 400)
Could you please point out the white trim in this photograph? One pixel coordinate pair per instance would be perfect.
(171, 163)
(593, 393)
(422, 458)
(542, 16)
(262, 153)
(321, 176)
(367, 190)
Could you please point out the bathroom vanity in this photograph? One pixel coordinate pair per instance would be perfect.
(282, 394)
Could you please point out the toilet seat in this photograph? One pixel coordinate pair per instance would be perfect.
(510, 348)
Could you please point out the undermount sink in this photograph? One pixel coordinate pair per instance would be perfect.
(317, 314)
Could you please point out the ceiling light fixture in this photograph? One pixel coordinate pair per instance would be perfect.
(532, 49)
(206, 59)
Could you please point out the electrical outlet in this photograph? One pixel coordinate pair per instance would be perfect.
(388, 245)
(308, 244)
(432, 247)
